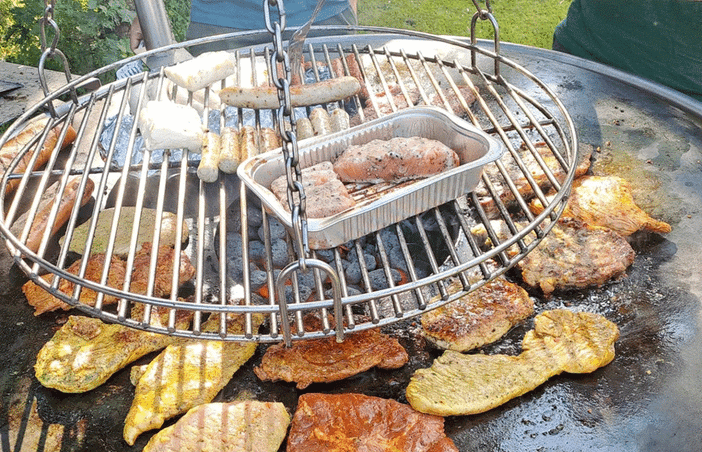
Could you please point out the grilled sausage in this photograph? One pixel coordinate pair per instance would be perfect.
(229, 154)
(339, 120)
(269, 139)
(304, 128)
(247, 143)
(354, 71)
(208, 169)
(301, 95)
(321, 122)
(14, 146)
(41, 219)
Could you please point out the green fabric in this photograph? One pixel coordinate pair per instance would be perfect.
(657, 39)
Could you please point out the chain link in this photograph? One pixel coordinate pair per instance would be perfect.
(52, 52)
(286, 115)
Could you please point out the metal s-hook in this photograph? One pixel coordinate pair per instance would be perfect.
(485, 14)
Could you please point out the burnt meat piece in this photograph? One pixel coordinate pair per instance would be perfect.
(356, 422)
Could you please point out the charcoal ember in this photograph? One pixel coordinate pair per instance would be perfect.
(257, 251)
(325, 255)
(378, 281)
(234, 245)
(254, 217)
(277, 230)
(235, 269)
(352, 272)
(258, 279)
(279, 253)
(304, 291)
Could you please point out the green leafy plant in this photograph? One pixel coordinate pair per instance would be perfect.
(93, 33)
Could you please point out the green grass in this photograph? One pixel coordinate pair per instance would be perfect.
(529, 22)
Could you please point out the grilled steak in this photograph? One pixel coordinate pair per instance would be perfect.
(478, 318)
(225, 427)
(85, 351)
(356, 422)
(185, 374)
(395, 160)
(43, 301)
(561, 341)
(607, 201)
(576, 256)
(524, 188)
(324, 360)
(326, 195)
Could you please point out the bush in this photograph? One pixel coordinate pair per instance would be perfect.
(94, 33)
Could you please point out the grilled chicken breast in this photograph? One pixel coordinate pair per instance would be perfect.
(561, 341)
(395, 160)
(356, 422)
(186, 374)
(479, 317)
(521, 182)
(43, 301)
(607, 201)
(85, 351)
(225, 427)
(324, 360)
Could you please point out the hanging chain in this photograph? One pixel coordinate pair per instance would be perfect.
(52, 52)
(286, 115)
(485, 14)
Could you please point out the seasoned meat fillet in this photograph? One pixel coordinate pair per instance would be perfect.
(325, 193)
(324, 360)
(225, 427)
(561, 341)
(522, 184)
(85, 351)
(395, 160)
(356, 422)
(576, 256)
(186, 374)
(43, 301)
(607, 201)
(479, 317)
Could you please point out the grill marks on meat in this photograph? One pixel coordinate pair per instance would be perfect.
(325, 193)
(85, 351)
(43, 301)
(562, 341)
(324, 360)
(356, 422)
(607, 201)
(479, 317)
(522, 185)
(576, 256)
(395, 160)
(186, 374)
(225, 427)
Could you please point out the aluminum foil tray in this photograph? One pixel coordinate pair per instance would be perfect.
(372, 213)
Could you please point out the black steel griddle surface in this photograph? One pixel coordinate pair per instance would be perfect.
(648, 399)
